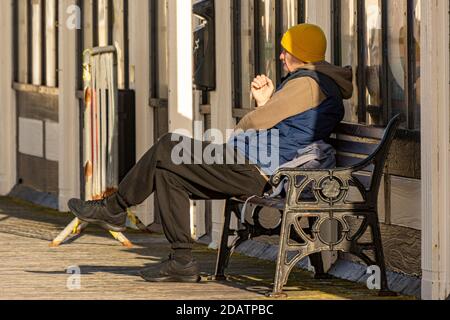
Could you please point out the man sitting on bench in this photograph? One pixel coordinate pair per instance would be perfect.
(304, 109)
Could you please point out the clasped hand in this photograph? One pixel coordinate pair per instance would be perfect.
(262, 89)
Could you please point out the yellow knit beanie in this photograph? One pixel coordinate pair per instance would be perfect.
(306, 42)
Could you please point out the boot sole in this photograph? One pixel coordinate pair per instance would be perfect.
(178, 279)
(101, 223)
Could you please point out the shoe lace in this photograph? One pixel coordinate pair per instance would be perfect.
(95, 203)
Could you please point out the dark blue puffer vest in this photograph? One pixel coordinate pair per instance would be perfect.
(313, 125)
(299, 131)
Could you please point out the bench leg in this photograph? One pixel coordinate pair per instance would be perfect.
(379, 257)
(317, 263)
(283, 268)
(224, 253)
(316, 259)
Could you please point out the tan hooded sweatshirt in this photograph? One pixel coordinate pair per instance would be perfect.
(298, 96)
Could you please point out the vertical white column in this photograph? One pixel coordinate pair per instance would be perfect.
(222, 98)
(181, 93)
(181, 113)
(7, 107)
(319, 12)
(69, 144)
(435, 132)
(198, 218)
(140, 81)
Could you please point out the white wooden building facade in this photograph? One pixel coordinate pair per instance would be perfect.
(399, 50)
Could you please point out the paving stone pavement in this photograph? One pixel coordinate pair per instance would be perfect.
(30, 269)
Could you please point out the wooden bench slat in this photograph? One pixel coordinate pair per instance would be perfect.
(353, 147)
(346, 161)
(360, 131)
(365, 179)
(276, 203)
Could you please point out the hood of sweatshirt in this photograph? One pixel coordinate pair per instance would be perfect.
(343, 76)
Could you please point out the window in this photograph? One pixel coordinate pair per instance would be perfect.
(373, 58)
(36, 42)
(404, 59)
(259, 26)
(380, 40)
(346, 53)
(159, 86)
(265, 28)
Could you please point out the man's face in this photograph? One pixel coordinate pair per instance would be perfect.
(288, 61)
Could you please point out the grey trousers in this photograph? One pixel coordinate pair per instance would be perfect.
(175, 184)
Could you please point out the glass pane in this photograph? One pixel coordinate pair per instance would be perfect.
(374, 60)
(51, 50)
(349, 53)
(417, 20)
(22, 42)
(266, 26)
(163, 81)
(103, 22)
(290, 14)
(116, 10)
(87, 29)
(160, 78)
(397, 56)
(247, 45)
(36, 33)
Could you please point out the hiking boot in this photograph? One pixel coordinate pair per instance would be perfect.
(96, 212)
(172, 271)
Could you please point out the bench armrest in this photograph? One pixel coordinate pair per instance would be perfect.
(280, 174)
(330, 187)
